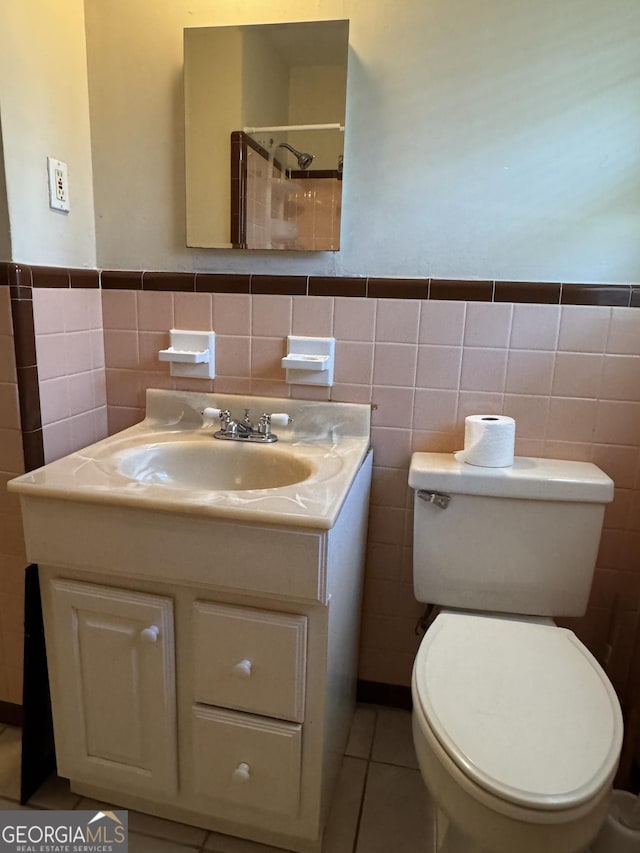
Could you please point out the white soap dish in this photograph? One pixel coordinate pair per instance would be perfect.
(309, 361)
(191, 354)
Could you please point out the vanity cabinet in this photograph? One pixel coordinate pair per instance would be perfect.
(205, 673)
(202, 638)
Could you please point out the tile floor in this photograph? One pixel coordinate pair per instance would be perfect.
(380, 805)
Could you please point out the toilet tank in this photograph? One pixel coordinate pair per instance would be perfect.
(522, 539)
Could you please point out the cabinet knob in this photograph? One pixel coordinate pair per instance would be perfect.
(242, 669)
(242, 773)
(150, 634)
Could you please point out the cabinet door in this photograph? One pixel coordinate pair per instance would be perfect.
(113, 686)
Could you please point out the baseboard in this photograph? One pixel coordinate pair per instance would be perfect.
(377, 693)
(10, 714)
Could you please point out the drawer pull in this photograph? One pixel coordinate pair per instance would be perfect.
(242, 773)
(242, 669)
(150, 634)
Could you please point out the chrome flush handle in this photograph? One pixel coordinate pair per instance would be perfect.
(438, 499)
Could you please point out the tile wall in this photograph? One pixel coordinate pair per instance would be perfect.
(568, 372)
(71, 372)
(301, 213)
(12, 556)
(316, 208)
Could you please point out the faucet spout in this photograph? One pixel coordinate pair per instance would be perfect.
(244, 430)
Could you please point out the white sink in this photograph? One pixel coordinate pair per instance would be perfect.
(170, 462)
(212, 465)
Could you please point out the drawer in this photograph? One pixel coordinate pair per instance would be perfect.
(251, 660)
(246, 761)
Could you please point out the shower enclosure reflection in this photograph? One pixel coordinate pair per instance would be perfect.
(281, 196)
(278, 92)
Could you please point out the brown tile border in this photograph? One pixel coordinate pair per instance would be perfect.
(283, 285)
(461, 289)
(547, 292)
(24, 337)
(596, 294)
(29, 397)
(178, 282)
(21, 278)
(120, 280)
(326, 285)
(85, 278)
(50, 277)
(398, 288)
(33, 445)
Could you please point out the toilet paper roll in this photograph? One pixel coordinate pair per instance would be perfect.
(489, 441)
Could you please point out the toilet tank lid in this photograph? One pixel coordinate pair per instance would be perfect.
(528, 477)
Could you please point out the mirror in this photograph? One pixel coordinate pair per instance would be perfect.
(264, 135)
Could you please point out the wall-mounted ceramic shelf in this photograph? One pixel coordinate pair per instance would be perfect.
(175, 355)
(191, 354)
(309, 361)
(299, 361)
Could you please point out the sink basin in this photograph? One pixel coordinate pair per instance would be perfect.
(212, 465)
(171, 463)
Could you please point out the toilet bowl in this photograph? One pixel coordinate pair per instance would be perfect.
(516, 726)
(517, 732)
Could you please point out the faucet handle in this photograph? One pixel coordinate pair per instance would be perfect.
(211, 412)
(280, 419)
(267, 421)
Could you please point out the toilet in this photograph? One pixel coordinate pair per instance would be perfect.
(517, 728)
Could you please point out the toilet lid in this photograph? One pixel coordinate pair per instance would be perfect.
(522, 708)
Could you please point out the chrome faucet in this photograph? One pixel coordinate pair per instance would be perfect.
(245, 430)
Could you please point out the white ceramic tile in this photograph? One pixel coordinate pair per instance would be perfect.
(342, 823)
(397, 321)
(583, 328)
(624, 331)
(397, 814)
(393, 741)
(442, 322)
(488, 324)
(361, 734)
(535, 326)
(394, 406)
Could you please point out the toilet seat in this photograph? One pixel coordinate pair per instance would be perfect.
(522, 708)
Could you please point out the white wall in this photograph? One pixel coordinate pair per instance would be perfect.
(5, 228)
(45, 112)
(488, 139)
